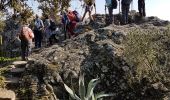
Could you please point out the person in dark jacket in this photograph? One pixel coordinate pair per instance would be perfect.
(125, 10)
(141, 8)
(38, 28)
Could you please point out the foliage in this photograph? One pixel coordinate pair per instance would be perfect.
(4, 59)
(148, 53)
(2, 23)
(86, 94)
(54, 6)
(16, 5)
(2, 82)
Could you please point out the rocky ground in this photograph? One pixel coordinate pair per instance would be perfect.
(98, 52)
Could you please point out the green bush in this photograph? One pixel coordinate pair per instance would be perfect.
(148, 52)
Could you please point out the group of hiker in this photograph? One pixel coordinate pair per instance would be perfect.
(125, 6)
(69, 20)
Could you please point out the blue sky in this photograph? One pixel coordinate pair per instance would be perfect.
(158, 8)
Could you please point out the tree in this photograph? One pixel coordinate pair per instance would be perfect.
(20, 9)
(54, 6)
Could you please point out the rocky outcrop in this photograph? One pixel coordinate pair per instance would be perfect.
(98, 52)
(7, 94)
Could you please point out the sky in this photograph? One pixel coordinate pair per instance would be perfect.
(159, 8)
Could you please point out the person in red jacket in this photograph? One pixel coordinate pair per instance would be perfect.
(26, 35)
(69, 21)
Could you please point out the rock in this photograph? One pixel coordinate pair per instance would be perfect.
(12, 80)
(98, 52)
(7, 94)
(19, 62)
(160, 86)
(17, 70)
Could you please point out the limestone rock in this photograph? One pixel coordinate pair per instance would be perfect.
(7, 94)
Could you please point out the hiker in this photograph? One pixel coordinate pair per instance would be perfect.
(38, 28)
(111, 4)
(141, 8)
(26, 35)
(69, 20)
(46, 28)
(88, 8)
(125, 10)
(52, 29)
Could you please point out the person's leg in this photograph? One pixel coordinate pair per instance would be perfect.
(50, 40)
(36, 38)
(127, 12)
(144, 13)
(28, 49)
(23, 49)
(140, 10)
(71, 28)
(110, 10)
(39, 39)
(84, 14)
(123, 14)
(91, 17)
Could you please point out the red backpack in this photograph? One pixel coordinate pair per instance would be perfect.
(71, 16)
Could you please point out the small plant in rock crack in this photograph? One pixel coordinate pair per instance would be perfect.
(86, 94)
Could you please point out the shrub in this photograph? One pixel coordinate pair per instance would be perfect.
(147, 51)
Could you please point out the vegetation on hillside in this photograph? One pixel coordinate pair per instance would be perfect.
(148, 54)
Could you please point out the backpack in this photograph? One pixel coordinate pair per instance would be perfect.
(26, 34)
(77, 16)
(71, 16)
(53, 26)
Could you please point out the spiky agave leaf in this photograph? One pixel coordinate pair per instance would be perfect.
(71, 93)
(82, 90)
(101, 95)
(91, 87)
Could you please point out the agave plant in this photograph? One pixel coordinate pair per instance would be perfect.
(86, 94)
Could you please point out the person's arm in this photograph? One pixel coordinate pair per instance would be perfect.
(42, 24)
(31, 34)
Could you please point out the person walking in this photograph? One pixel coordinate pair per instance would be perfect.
(38, 28)
(89, 4)
(69, 21)
(26, 35)
(47, 29)
(111, 4)
(125, 10)
(141, 8)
